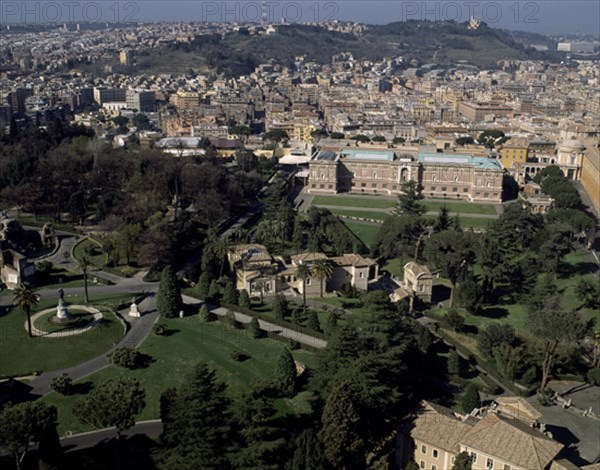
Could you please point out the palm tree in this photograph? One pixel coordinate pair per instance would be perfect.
(303, 273)
(25, 298)
(82, 265)
(322, 270)
(222, 250)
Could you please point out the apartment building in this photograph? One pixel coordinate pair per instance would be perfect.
(483, 111)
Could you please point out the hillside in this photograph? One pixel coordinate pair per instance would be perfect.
(427, 42)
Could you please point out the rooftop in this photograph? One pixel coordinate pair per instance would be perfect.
(366, 154)
(460, 159)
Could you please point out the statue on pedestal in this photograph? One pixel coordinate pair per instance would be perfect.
(62, 313)
(133, 310)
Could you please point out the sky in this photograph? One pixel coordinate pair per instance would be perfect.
(550, 17)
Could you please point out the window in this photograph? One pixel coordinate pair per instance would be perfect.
(422, 464)
(453, 460)
(373, 185)
(330, 186)
(506, 466)
(395, 187)
(433, 467)
(444, 189)
(454, 190)
(473, 457)
(465, 190)
(363, 185)
(433, 188)
(384, 185)
(322, 186)
(489, 463)
(435, 452)
(423, 449)
(486, 195)
(308, 282)
(361, 275)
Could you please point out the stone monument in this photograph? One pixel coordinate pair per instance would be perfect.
(134, 311)
(62, 314)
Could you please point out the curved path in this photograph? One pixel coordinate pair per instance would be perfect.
(97, 318)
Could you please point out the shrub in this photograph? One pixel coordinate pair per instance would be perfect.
(244, 300)
(593, 376)
(453, 363)
(62, 384)
(495, 335)
(280, 307)
(454, 319)
(239, 356)
(159, 329)
(546, 398)
(230, 294)
(254, 328)
(205, 314)
(313, 321)
(471, 399)
(125, 357)
(229, 319)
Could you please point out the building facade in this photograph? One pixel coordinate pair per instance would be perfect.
(439, 175)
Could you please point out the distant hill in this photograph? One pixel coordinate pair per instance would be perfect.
(445, 43)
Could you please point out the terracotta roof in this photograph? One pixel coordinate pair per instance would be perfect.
(511, 440)
(518, 408)
(307, 257)
(438, 426)
(418, 269)
(352, 259)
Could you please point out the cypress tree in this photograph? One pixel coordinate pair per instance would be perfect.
(332, 323)
(213, 291)
(205, 314)
(254, 329)
(168, 299)
(453, 363)
(285, 373)
(244, 300)
(471, 399)
(280, 307)
(230, 293)
(313, 321)
(204, 285)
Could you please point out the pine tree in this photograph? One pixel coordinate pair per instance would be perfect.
(341, 432)
(453, 363)
(168, 298)
(471, 399)
(204, 285)
(254, 328)
(307, 452)
(205, 314)
(230, 293)
(443, 221)
(313, 321)
(285, 373)
(244, 300)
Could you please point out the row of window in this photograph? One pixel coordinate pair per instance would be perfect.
(435, 454)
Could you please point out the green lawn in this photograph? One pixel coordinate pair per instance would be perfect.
(362, 214)
(366, 233)
(395, 267)
(460, 207)
(354, 201)
(98, 259)
(20, 355)
(43, 323)
(192, 341)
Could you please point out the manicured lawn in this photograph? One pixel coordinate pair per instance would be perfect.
(354, 201)
(98, 259)
(460, 207)
(362, 214)
(366, 233)
(191, 341)
(20, 355)
(395, 267)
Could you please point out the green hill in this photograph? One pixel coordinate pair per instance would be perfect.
(238, 53)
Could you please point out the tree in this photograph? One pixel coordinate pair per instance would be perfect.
(379, 138)
(313, 321)
(303, 273)
(230, 293)
(588, 292)
(254, 328)
(25, 298)
(495, 335)
(553, 326)
(549, 171)
(168, 298)
(491, 138)
(454, 319)
(408, 201)
(345, 447)
(469, 295)
(196, 422)
(214, 289)
(83, 264)
(28, 422)
(471, 399)
(463, 461)
(127, 358)
(452, 253)
(285, 373)
(398, 140)
(280, 307)
(508, 360)
(322, 271)
(307, 452)
(443, 221)
(362, 138)
(244, 300)
(203, 285)
(263, 286)
(453, 363)
(63, 384)
(113, 403)
(332, 323)
(204, 313)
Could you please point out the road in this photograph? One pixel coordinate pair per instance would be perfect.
(85, 440)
